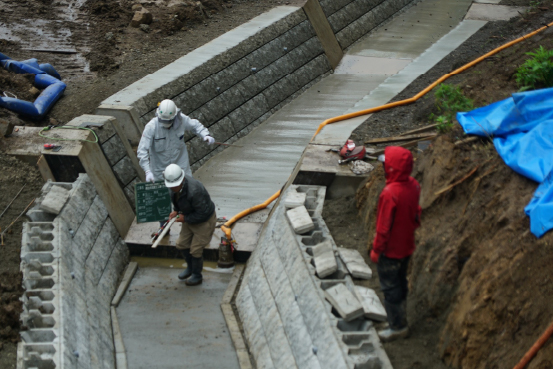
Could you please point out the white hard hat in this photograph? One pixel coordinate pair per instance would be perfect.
(173, 175)
(166, 112)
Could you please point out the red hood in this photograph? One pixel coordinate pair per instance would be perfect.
(398, 164)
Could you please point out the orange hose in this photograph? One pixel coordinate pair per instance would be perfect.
(226, 227)
(430, 87)
(535, 348)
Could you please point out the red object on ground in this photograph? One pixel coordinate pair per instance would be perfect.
(50, 146)
(398, 206)
(352, 152)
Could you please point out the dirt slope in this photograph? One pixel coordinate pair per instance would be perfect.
(480, 282)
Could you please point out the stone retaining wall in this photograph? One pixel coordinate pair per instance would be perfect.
(237, 81)
(71, 264)
(352, 19)
(287, 321)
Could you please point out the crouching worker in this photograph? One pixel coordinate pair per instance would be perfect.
(398, 216)
(196, 212)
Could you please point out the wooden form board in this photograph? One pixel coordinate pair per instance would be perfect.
(324, 32)
(26, 143)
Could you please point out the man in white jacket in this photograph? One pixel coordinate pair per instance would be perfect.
(162, 141)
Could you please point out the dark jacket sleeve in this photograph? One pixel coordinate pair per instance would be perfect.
(202, 206)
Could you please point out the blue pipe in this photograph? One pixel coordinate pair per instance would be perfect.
(46, 77)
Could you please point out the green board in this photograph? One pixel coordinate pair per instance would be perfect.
(153, 202)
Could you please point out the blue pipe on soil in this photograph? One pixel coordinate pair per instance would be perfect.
(46, 77)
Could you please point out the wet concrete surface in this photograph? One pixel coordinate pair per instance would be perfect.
(411, 33)
(166, 324)
(491, 12)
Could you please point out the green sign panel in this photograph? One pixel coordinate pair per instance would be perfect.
(153, 202)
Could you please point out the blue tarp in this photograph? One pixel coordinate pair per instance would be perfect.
(45, 77)
(522, 131)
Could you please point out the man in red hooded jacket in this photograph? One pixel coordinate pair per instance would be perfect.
(398, 217)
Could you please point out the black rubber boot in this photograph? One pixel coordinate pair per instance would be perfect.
(188, 271)
(197, 266)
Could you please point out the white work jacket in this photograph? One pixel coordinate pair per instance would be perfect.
(161, 146)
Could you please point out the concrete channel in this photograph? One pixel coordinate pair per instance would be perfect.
(265, 86)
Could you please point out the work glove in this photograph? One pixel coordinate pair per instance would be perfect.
(149, 177)
(210, 140)
(374, 257)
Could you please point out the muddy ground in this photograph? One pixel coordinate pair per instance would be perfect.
(480, 282)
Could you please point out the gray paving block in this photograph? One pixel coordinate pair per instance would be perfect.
(372, 306)
(300, 219)
(355, 263)
(54, 201)
(345, 302)
(324, 259)
(294, 199)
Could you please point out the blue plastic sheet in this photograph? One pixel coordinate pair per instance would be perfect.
(522, 131)
(45, 77)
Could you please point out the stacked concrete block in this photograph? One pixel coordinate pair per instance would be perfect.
(371, 303)
(345, 302)
(300, 220)
(324, 259)
(294, 199)
(55, 200)
(287, 320)
(355, 263)
(71, 268)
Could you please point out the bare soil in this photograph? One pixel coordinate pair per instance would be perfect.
(479, 280)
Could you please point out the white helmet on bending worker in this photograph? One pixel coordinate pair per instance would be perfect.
(162, 141)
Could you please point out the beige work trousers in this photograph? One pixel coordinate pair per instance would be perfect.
(196, 237)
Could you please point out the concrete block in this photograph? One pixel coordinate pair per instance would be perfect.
(372, 306)
(300, 219)
(55, 200)
(345, 302)
(114, 150)
(40, 216)
(125, 171)
(294, 199)
(355, 263)
(324, 258)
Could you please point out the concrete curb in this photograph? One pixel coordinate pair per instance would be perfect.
(232, 323)
(120, 352)
(127, 278)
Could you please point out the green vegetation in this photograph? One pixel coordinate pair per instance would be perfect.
(536, 72)
(449, 100)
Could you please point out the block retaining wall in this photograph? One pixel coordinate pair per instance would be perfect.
(71, 265)
(287, 321)
(239, 86)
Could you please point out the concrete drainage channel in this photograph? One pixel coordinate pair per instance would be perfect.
(73, 254)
